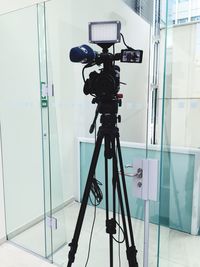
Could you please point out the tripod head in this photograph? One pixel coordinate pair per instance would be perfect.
(108, 108)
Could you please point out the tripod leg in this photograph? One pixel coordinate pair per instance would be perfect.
(131, 250)
(74, 244)
(114, 201)
(110, 223)
(122, 207)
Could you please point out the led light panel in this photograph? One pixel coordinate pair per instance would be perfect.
(104, 32)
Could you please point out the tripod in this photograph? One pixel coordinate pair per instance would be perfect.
(109, 133)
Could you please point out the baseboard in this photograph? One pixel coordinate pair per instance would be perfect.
(38, 220)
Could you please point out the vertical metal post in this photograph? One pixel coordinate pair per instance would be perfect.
(190, 10)
(176, 16)
(146, 233)
(153, 96)
(146, 219)
(154, 72)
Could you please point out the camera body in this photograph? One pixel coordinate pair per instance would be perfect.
(106, 83)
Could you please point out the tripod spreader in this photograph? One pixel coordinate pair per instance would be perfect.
(131, 253)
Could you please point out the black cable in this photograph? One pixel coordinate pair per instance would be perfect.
(85, 67)
(120, 229)
(98, 197)
(125, 42)
(83, 75)
(91, 234)
(114, 52)
(95, 186)
(96, 191)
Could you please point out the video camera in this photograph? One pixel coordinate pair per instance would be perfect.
(106, 83)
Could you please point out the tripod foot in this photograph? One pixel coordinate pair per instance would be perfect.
(72, 252)
(131, 256)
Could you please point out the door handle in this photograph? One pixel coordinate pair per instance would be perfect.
(138, 174)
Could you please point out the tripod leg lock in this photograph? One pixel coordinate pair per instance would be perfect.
(132, 256)
(111, 226)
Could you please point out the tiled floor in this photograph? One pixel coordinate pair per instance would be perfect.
(176, 250)
(12, 256)
(100, 243)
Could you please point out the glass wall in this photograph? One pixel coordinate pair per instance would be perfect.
(51, 117)
(21, 127)
(180, 213)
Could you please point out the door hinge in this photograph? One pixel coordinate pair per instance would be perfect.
(52, 222)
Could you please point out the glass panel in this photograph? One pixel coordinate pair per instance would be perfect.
(30, 110)
(54, 199)
(179, 217)
(143, 8)
(21, 130)
(75, 111)
(42, 49)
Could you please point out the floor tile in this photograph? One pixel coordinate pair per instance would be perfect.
(177, 249)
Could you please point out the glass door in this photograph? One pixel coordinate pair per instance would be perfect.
(29, 136)
(67, 27)
(179, 186)
(53, 182)
(21, 131)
